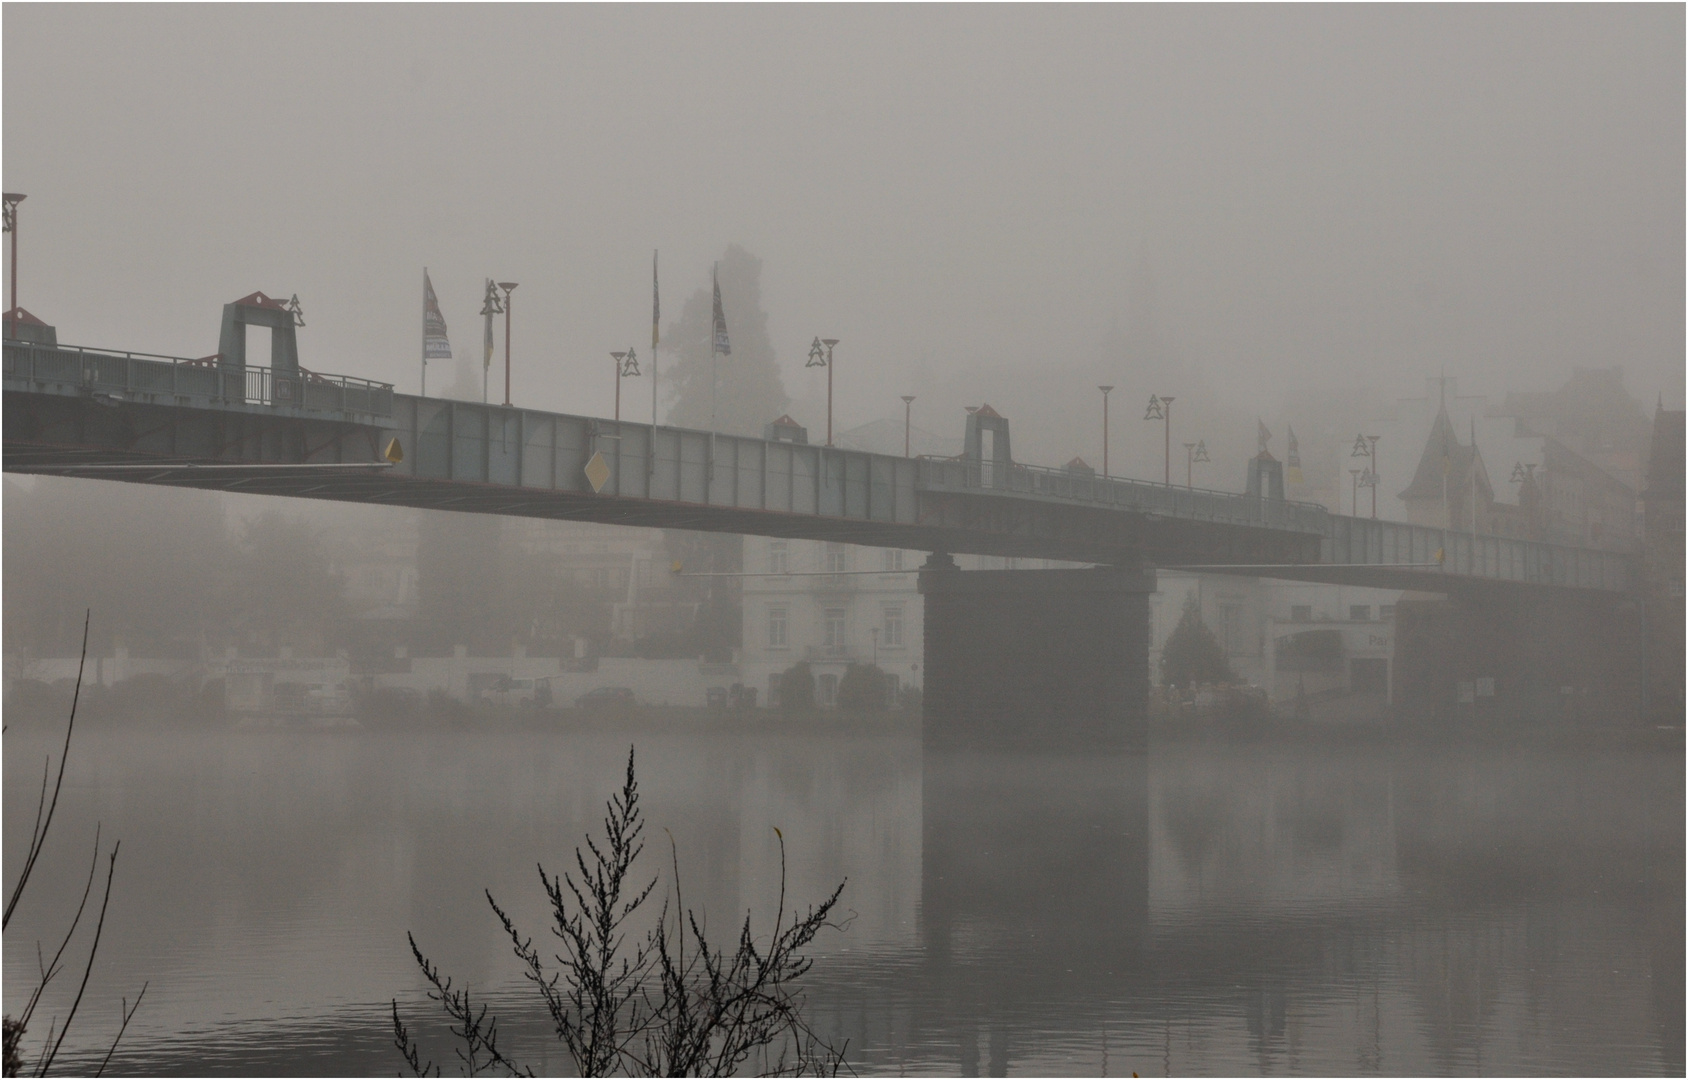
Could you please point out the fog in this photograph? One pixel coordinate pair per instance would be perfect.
(1295, 199)
(1100, 799)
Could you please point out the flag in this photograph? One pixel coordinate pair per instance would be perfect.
(656, 305)
(721, 344)
(1265, 436)
(435, 345)
(1292, 462)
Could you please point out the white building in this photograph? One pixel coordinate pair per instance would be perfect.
(1290, 638)
(831, 605)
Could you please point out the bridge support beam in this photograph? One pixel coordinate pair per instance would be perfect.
(1527, 657)
(1035, 659)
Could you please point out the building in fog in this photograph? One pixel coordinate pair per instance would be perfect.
(1560, 466)
(1662, 499)
(1291, 639)
(831, 605)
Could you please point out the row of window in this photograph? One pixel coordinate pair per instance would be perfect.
(835, 558)
(833, 627)
(1356, 612)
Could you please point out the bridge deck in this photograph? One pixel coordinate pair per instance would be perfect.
(79, 411)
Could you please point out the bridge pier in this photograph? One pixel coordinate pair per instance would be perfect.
(1035, 659)
(1529, 657)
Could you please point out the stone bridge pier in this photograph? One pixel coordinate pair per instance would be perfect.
(1035, 659)
(1542, 656)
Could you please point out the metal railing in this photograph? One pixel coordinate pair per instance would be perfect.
(120, 373)
(1136, 495)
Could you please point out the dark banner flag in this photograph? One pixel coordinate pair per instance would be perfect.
(435, 345)
(1292, 460)
(721, 344)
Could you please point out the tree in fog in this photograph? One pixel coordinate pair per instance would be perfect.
(747, 390)
(154, 562)
(459, 595)
(1192, 654)
(290, 594)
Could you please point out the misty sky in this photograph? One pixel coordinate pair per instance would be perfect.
(1320, 195)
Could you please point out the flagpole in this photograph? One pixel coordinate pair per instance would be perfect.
(424, 331)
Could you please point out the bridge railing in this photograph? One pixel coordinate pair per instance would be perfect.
(1116, 494)
(1372, 542)
(178, 380)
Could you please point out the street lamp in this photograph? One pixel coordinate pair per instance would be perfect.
(490, 306)
(1193, 452)
(1105, 390)
(618, 357)
(508, 287)
(1354, 500)
(1362, 449)
(1160, 408)
(12, 200)
(908, 404)
(820, 358)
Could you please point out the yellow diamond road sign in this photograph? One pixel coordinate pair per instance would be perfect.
(597, 472)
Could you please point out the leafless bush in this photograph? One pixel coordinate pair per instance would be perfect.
(665, 1004)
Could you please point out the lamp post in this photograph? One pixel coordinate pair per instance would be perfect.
(508, 287)
(1105, 390)
(1354, 501)
(823, 358)
(1160, 408)
(12, 200)
(618, 357)
(1193, 452)
(629, 370)
(490, 306)
(1366, 446)
(908, 404)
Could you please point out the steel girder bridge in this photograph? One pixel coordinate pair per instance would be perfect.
(221, 424)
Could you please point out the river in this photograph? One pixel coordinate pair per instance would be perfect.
(1266, 907)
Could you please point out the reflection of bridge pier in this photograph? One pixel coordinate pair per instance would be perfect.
(1035, 659)
(1034, 879)
(1552, 654)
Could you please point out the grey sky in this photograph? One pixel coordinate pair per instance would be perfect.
(1320, 194)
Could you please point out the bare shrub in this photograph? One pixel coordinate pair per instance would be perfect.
(667, 1003)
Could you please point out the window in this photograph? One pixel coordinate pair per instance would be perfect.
(837, 558)
(893, 559)
(779, 557)
(1301, 613)
(776, 628)
(826, 690)
(832, 630)
(1359, 612)
(1386, 612)
(892, 636)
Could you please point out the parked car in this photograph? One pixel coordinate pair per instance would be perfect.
(606, 697)
(508, 691)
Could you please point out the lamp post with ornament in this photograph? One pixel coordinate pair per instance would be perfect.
(820, 355)
(1366, 446)
(908, 405)
(508, 287)
(1160, 408)
(1193, 452)
(11, 200)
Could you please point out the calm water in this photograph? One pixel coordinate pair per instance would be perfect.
(1199, 909)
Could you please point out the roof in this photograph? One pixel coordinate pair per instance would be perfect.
(785, 420)
(1664, 463)
(1443, 446)
(19, 315)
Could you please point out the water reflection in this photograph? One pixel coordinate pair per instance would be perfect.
(1259, 909)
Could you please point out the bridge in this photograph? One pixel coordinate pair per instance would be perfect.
(219, 423)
